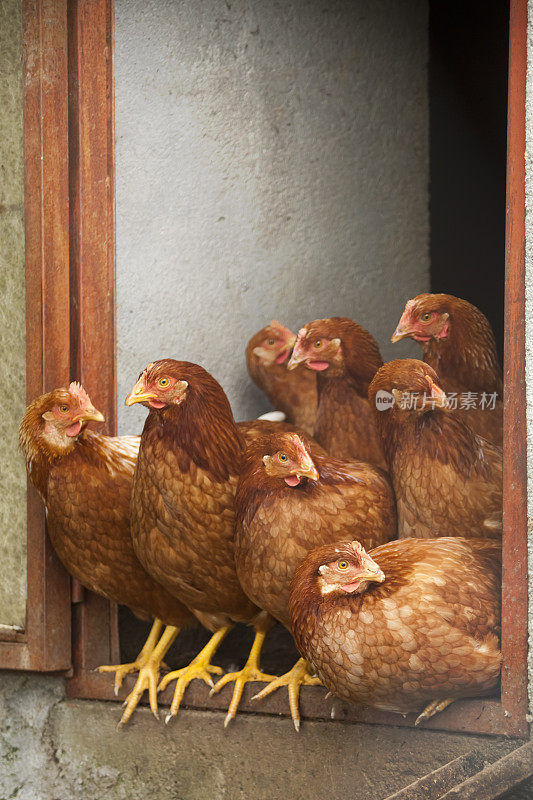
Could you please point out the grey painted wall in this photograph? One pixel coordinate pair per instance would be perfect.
(272, 161)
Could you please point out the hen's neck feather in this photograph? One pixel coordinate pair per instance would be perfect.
(39, 453)
(116, 454)
(467, 359)
(201, 431)
(439, 435)
(256, 487)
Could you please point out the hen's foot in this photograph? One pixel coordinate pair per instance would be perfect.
(299, 675)
(200, 667)
(250, 672)
(121, 670)
(435, 707)
(148, 677)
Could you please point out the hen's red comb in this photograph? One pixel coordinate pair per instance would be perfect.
(77, 391)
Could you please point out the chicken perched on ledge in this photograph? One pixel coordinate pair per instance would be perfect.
(458, 342)
(447, 480)
(182, 511)
(289, 502)
(85, 481)
(294, 393)
(409, 627)
(345, 358)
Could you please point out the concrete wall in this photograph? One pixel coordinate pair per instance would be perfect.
(52, 749)
(272, 161)
(12, 319)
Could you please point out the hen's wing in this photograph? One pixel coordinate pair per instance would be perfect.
(88, 520)
(436, 499)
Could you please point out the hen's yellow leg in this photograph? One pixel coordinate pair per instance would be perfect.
(300, 675)
(121, 670)
(149, 676)
(435, 707)
(200, 667)
(250, 672)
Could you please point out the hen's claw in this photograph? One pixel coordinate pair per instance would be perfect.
(250, 672)
(149, 676)
(200, 667)
(121, 670)
(299, 675)
(147, 679)
(435, 707)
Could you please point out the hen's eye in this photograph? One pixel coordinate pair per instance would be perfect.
(425, 317)
(270, 342)
(342, 565)
(283, 457)
(163, 382)
(63, 409)
(318, 343)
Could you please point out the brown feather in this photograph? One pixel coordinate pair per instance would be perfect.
(86, 489)
(294, 392)
(277, 525)
(183, 496)
(430, 631)
(466, 360)
(447, 480)
(345, 424)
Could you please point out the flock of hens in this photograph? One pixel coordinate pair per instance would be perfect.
(368, 522)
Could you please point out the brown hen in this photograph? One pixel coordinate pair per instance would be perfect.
(447, 480)
(294, 392)
(182, 510)
(458, 342)
(85, 481)
(412, 625)
(289, 502)
(345, 358)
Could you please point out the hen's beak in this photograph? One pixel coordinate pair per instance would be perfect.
(297, 357)
(402, 330)
(308, 471)
(398, 334)
(91, 414)
(374, 573)
(139, 394)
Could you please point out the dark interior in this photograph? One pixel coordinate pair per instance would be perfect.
(468, 53)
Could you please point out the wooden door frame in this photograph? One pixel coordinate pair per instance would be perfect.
(70, 278)
(69, 186)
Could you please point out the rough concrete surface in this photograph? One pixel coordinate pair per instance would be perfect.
(55, 749)
(28, 769)
(257, 758)
(12, 319)
(272, 161)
